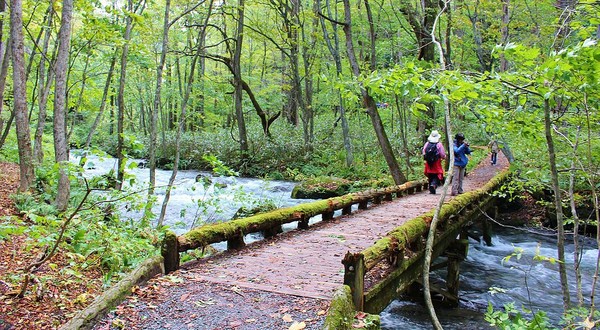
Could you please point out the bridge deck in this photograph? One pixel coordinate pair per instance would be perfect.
(297, 268)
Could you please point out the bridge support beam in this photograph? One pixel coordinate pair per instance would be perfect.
(170, 253)
(486, 228)
(354, 277)
(456, 253)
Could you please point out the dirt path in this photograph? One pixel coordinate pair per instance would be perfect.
(275, 283)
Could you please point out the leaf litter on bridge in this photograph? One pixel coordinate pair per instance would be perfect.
(180, 301)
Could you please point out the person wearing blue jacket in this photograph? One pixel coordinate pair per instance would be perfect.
(461, 150)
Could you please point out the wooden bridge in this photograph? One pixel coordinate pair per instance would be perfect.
(375, 248)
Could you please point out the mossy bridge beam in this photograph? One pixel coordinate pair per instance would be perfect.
(403, 249)
(270, 223)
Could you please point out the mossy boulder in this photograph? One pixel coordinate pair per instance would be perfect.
(248, 211)
(322, 187)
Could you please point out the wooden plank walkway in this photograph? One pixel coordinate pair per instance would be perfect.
(300, 264)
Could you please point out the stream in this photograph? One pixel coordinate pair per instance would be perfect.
(533, 284)
(523, 281)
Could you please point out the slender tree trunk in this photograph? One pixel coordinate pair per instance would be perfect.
(369, 103)
(5, 51)
(157, 99)
(576, 238)
(20, 96)
(182, 115)
(434, 222)
(121, 100)
(237, 81)
(111, 71)
(504, 32)
(334, 49)
(45, 83)
(558, 204)
(61, 145)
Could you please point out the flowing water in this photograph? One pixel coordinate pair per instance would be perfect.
(533, 284)
(197, 197)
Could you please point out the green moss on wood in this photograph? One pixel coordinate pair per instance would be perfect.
(416, 228)
(341, 310)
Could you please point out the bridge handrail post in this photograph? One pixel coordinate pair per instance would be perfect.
(170, 252)
(354, 277)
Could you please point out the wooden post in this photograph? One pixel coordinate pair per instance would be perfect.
(303, 222)
(327, 216)
(452, 279)
(377, 199)
(486, 228)
(388, 197)
(170, 252)
(363, 205)
(236, 241)
(347, 210)
(272, 231)
(354, 277)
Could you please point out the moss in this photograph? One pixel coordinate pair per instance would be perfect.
(322, 187)
(341, 310)
(416, 228)
(169, 251)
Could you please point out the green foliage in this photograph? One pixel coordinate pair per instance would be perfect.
(119, 245)
(9, 227)
(513, 319)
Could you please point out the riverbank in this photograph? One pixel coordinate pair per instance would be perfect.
(56, 292)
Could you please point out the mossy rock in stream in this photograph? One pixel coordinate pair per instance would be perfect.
(322, 187)
(248, 211)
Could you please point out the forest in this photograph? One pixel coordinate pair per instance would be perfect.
(305, 91)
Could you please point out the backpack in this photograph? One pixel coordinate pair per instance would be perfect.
(431, 153)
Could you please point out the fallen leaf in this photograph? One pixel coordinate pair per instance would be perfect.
(184, 297)
(235, 323)
(321, 312)
(287, 318)
(250, 320)
(360, 315)
(297, 326)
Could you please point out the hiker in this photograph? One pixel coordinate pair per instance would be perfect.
(493, 148)
(433, 153)
(461, 150)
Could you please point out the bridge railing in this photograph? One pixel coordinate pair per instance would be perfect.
(403, 246)
(270, 223)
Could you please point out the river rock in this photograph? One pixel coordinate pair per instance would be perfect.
(322, 187)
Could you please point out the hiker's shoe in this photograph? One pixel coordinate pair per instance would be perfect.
(432, 190)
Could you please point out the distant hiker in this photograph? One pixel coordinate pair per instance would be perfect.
(461, 150)
(433, 153)
(493, 147)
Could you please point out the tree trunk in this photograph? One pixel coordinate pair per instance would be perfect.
(20, 96)
(5, 51)
(182, 115)
(237, 81)
(121, 100)
(334, 49)
(45, 82)
(111, 71)
(157, 97)
(504, 32)
(560, 244)
(434, 222)
(61, 145)
(370, 105)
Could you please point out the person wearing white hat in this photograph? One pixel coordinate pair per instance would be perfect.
(433, 153)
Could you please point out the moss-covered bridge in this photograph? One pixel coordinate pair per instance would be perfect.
(372, 242)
